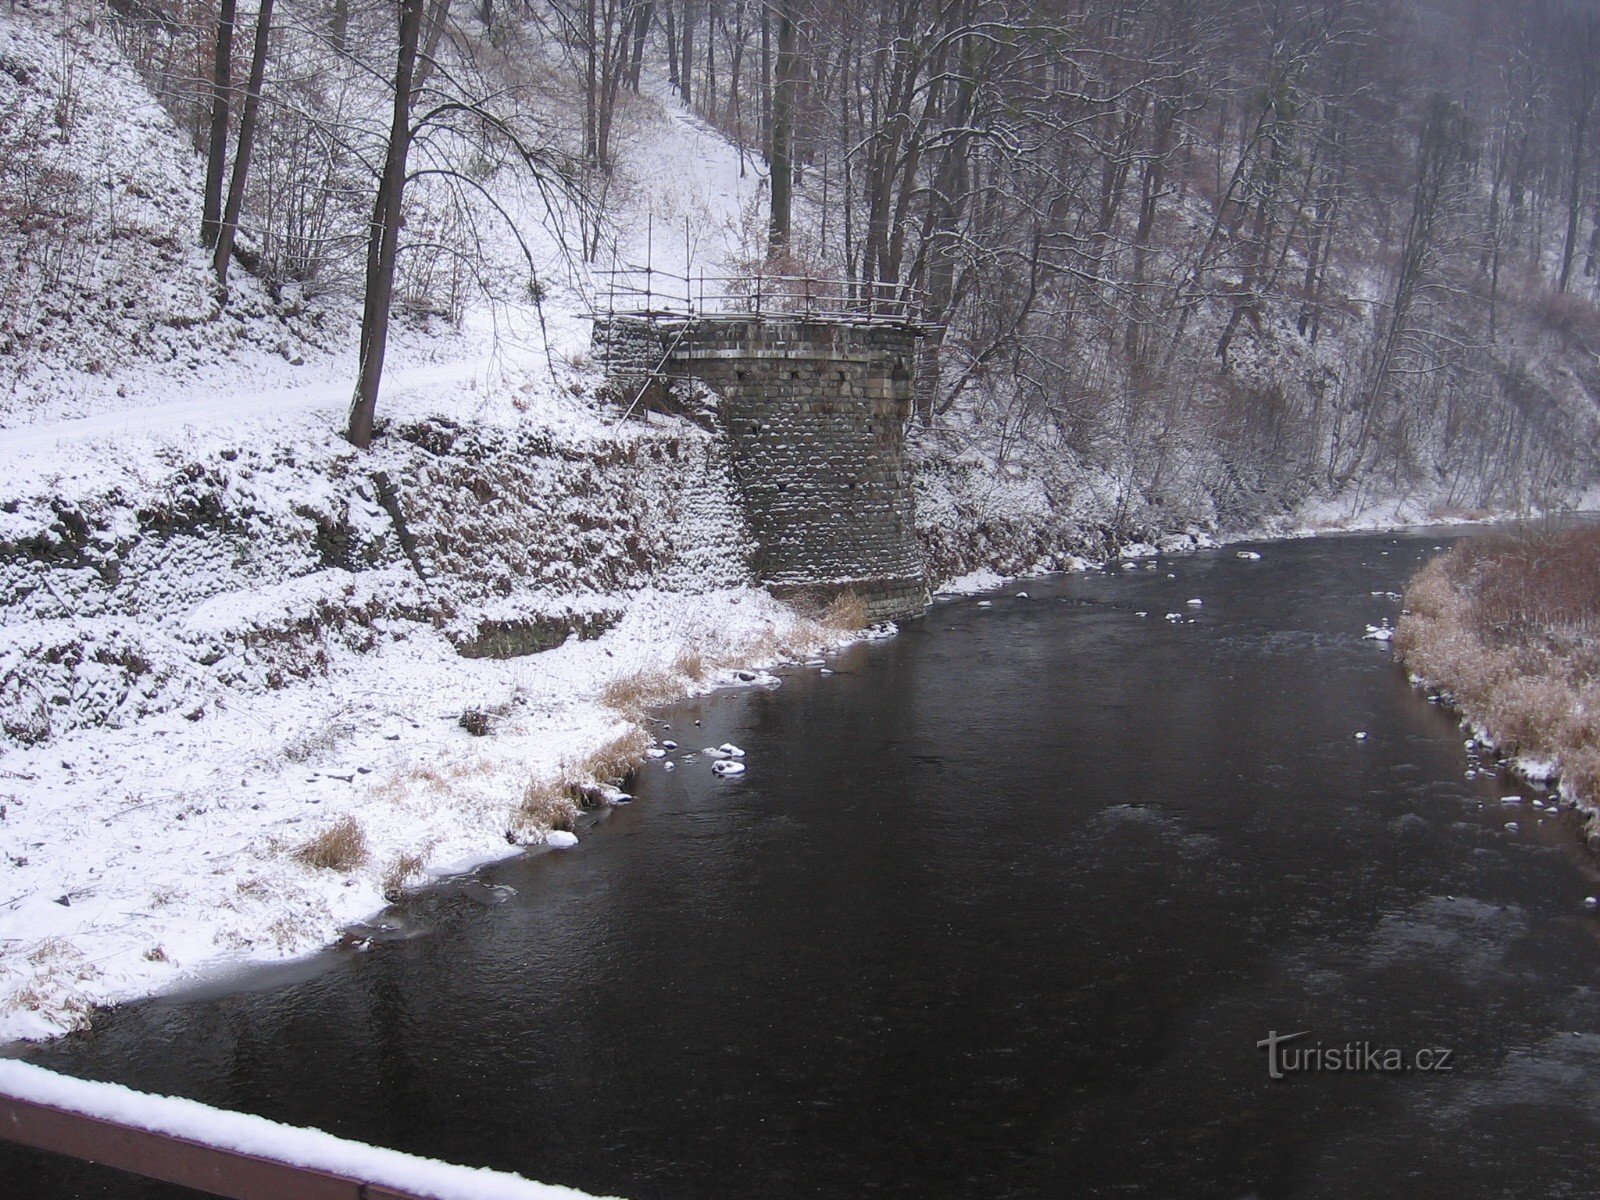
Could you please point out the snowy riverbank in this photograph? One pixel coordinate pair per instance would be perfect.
(218, 643)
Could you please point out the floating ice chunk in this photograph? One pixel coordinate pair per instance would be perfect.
(1249, 555)
(727, 767)
(1510, 799)
(1513, 827)
(1379, 633)
(713, 752)
(1174, 616)
(1130, 566)
(1361, 735)
(1591, 901)
(730, 750)
(985, 603)
(1141, 614)
(669, 766)
(655, 752)
(669, 745)
(1195, 603)
(560, 839)
(1022, 595)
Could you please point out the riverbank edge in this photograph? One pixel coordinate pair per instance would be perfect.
(613, 741)
(1432, 629)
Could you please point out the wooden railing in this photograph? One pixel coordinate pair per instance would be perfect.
(631, 291)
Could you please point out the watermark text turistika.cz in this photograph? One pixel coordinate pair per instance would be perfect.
(1287, 1055)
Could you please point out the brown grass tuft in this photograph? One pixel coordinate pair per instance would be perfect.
(847, 613)
(614, 761)
(340, 847)
(635, 692)
(692, 663)
(546, 804)
(400, 872)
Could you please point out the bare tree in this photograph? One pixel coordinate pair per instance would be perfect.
(245, 148)
(217, 138)
(383, 243)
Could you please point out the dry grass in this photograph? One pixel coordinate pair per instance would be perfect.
(847, 613)
(1509, 626)
(692, 664)
(546, 804)
(614, 761)
(554, 803)
(340, 847)
(400, 872)
(633, 693)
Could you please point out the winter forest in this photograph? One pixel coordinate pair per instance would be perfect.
(924, 746)
(1226, 257)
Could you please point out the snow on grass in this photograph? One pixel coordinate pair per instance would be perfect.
(137, 857)
(236, 709)
(245, 1133)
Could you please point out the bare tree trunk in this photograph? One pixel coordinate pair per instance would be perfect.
(669, 26)
(340, 32)
(217, 139)
(780, 155)
(710, 99)
(1569, 244)
(766, 83)
(641, 28)
(1591, 260)
(383, 240)
(591, 84)
(686, 54)
(247, 139)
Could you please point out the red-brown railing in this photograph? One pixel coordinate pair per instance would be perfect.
(328, 1168)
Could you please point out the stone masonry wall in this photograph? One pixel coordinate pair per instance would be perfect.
(813, 413)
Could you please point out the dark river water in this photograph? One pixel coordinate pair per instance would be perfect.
(1002, 908)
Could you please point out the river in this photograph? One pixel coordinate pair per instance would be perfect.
(1001, 908)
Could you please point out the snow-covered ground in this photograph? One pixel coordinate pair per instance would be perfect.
(215, 644)
(135, 857)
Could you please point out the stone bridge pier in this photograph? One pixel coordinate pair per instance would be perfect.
(813, 412)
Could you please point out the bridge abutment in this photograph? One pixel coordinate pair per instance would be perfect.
(813, 412)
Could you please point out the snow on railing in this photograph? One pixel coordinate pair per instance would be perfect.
(633, 291)
(229, 1153)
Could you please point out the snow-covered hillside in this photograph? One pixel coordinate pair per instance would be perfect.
(226, 632)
